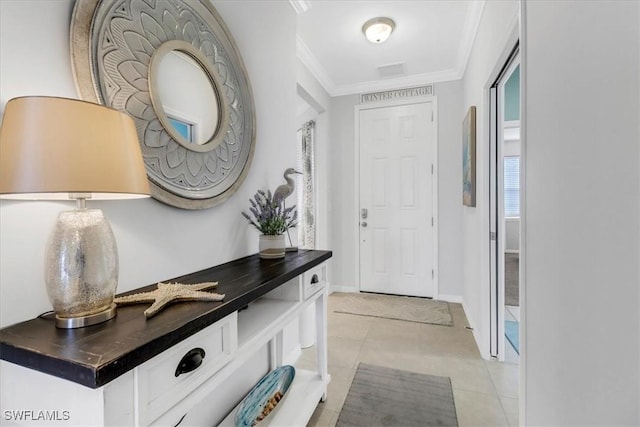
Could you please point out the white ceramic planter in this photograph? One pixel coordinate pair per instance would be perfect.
(272, 246)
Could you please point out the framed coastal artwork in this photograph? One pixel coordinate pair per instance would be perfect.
(469, 158)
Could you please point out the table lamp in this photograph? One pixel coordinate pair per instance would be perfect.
(57, 148)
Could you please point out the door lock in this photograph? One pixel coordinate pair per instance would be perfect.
(364, 213)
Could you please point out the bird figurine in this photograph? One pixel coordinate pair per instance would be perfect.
(285, 190)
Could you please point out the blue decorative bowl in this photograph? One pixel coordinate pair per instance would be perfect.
(252, 406)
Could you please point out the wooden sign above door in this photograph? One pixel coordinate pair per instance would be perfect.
(389, 95)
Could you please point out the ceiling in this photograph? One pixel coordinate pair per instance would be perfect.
(431, 42)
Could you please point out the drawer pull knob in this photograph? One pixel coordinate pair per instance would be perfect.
(314, 279)
(190, 361)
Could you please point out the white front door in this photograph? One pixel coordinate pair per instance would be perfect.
(396, 200)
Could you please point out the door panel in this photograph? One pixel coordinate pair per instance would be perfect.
(396, 237)
(409, 247)
(380, 254)
(408, 176)
(379, 182)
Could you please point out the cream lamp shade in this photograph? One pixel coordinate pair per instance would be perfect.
(58, 148)
(55, 146)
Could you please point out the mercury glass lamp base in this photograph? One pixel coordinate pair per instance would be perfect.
(82, 321)
(81, 268)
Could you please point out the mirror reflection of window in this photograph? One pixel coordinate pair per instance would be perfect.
(187, 94)
(183, 128)
(512, 186)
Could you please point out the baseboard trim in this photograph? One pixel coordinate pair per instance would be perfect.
(484, 351)
(352, 289)
(345, 289)
(450, 298)
(511, 251)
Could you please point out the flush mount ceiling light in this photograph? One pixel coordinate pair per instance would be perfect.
(377, 30)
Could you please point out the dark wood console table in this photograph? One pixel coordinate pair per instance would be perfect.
(101, 355)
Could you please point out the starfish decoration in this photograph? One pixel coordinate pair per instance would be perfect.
(171, 292)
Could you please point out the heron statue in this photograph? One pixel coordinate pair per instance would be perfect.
(285, 190)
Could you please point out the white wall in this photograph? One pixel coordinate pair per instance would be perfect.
(341, 182)
(341, 159)
(450, 270)
(310, 89)
(155, 241)
(581, 140)
(497, 29)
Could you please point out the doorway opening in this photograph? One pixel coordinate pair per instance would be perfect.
(504, 170)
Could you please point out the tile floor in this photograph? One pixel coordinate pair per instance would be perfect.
(485, 392)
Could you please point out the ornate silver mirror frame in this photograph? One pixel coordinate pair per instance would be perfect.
(115, 45)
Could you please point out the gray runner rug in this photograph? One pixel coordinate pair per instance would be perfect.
(389, 397)
(411, 309)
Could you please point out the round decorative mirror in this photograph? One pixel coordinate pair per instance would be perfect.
(184, 95)
(173, 66)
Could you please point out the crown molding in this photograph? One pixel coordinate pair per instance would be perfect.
(318, 71)
(314, 66)
(300, 6)
(472, 22)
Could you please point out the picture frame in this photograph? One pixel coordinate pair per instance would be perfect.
(469, 158)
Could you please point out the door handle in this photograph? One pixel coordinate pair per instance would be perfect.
(363, 223)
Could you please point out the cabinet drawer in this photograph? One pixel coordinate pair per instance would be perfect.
(161, 384)
(314, 280)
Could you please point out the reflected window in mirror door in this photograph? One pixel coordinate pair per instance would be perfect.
(511, 186)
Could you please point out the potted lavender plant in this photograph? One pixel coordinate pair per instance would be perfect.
(272, 219)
